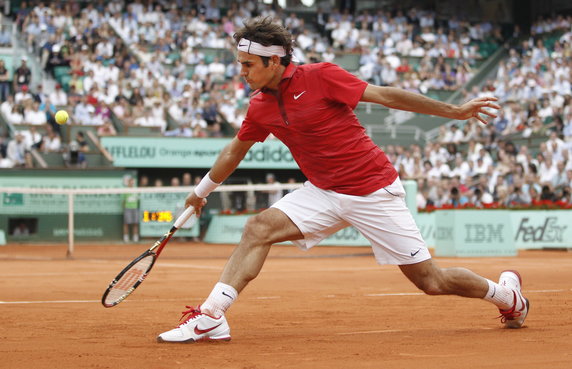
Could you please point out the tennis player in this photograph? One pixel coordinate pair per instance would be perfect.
(350, 180)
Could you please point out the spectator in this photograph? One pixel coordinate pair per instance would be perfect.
(130, 202)
(143, 181)
(275, 194)
(175, 182)
(32, 138)
(560, 180)
(455, 135)
(481, 198)
(14, 116)
(147, 119)
(51, 141)
(7, 105)
(22, 95)
(547, 194)
(183, 130)
(48, 109)
(82, 112)
(187, 179)
(106, 129)
(74, 156)
(21, 230)
(33, 115)
(518, 197)
(59, 97)
(4, 81)
(456, 199)
(22, 75)
(16, 152)
(217, 70)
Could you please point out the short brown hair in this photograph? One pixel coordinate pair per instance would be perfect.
(267, 33)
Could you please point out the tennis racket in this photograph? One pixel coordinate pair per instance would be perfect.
(134, 274)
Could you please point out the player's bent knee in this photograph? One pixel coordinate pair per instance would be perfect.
(257, 230)
(427, 277)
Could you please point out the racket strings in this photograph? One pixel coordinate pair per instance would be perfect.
(130, 278)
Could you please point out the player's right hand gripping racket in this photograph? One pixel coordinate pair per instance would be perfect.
(134, 274)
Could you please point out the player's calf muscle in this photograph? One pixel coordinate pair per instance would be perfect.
(431, 286)
(451, 281)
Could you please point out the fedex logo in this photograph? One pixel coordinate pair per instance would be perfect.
(549, 231)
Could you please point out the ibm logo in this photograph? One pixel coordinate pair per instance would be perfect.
(484, 233)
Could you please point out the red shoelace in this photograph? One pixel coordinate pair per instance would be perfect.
(191, 313)
(510, 314)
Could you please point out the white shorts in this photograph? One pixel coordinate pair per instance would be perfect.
(382, 217)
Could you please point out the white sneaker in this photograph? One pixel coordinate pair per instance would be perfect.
(197, 326)
(515, 316)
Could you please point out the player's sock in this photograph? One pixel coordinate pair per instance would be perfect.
(499, 295)
(125, 238)
(220, 299)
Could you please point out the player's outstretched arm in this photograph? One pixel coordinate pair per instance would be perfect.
(229, 158)
(396, 98)
(225, 164)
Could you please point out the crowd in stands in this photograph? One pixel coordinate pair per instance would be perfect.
(479, 165)
(142, 61)
(143, 64)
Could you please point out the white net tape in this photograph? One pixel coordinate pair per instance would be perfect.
(114, 191)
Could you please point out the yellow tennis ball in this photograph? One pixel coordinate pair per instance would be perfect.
(62, 117)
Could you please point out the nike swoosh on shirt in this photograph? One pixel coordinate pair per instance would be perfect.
(203, 331)
(415, 253)
(296, 97)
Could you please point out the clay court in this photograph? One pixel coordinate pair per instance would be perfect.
(332, 307)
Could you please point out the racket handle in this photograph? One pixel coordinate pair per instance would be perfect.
(182, 219)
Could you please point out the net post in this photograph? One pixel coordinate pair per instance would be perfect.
(70, 226)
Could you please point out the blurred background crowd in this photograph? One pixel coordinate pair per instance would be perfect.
(143, 63)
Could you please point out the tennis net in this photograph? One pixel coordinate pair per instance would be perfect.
(74, 216)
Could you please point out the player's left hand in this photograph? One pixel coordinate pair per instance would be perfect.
(475, 107)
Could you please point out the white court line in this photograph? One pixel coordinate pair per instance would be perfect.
(89, 301)
(35, 258)
(48, 302)
(252, 298)
(371, 332)
(171, 265)
(267, 297)
(404, 330)
(191, 266)
(49, 274)
(545, 291)
(421, 293)
(394, 294)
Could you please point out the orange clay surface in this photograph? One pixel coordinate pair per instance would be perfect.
(331, 307)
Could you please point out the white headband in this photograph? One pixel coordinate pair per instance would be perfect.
(255, 48)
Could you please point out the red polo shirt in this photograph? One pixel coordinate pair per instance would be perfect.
(312, 114)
